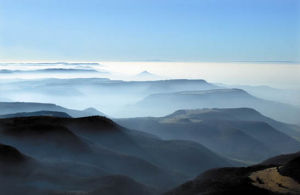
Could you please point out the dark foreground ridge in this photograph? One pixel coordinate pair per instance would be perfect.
(292, 169)
(9, 154)
(80, 155)
(258, 179)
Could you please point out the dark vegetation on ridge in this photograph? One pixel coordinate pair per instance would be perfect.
(237, 181)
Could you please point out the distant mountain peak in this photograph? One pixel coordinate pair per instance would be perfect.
(89, 109)
(93, 111)
(146, 75)
(145, 72)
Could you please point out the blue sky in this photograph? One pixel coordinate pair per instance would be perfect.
(131, 30)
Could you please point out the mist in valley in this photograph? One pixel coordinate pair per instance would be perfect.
(149, 97)
(125, 98)
(165, 129)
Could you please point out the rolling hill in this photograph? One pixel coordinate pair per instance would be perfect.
(114, 94)
(273, 179)
(247, 135)
(163, 103)
(7, 108)
(86, 148)
(21, 174)
(37, 113)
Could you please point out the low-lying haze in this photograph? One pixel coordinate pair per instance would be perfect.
(278, 75)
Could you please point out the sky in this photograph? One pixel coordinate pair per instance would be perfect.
(152, 30)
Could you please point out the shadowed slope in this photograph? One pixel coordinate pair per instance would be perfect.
(216, 98)
(20, 174)
(38, 113)
(291, 169)
(246, 133)
(17, 107)
(9, 154)
(57, 139)
(40, 132)
(281, 159)
(259, 179)
(91, 141)
(121, 185)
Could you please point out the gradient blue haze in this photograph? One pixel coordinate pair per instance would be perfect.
(176, 30)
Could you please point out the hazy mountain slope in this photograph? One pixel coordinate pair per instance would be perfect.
(38, 113)
(19, 107)
(20, 174)
(120, 185)
(37, 136)
(244, 114)
(146, 87)
(91, 142)
(114, 94)
(47, 138)
(161, 153)
(266, 134)
(289, 96)
(14, 166)
(164, 103)
(172, 155)
(215, 128)
(259, 179)
(238, 144)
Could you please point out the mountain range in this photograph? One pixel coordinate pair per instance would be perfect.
(248, 135)
(164, 103)
(8, 109)
(119, 98)
(180, 136)
(58, 155)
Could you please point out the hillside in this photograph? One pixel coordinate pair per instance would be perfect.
(65, 144)
(247, 135)
(259, 179)
(7, 108)
(115, 95)
(21, 174)
(37, 113)
(165, 103)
